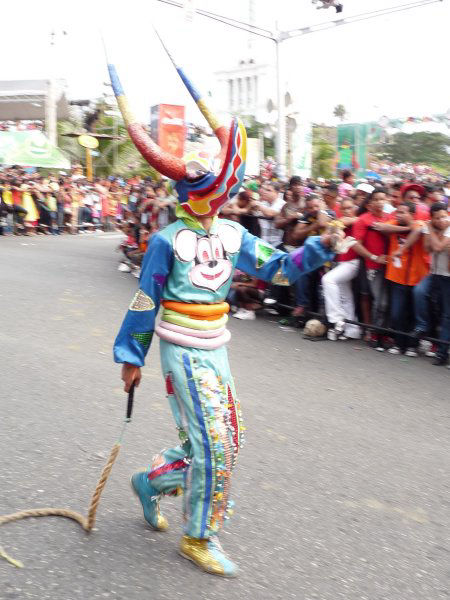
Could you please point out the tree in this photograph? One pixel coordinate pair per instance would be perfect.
(419, 148)
(323, 155)
(254, 129)
(69, 145)
(115, 156)
(339, 112)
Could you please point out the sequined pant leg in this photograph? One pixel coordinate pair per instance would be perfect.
(201, 393)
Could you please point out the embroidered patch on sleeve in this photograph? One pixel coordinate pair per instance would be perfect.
(263, 253)
(143, 338)
(141, 302)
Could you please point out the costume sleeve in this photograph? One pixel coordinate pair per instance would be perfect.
(135, 335)
(265, 262)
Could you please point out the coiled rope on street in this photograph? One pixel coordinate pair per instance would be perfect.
(87, 523)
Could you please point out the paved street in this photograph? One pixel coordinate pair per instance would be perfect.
(342, 490)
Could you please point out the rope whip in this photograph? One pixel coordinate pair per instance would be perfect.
(87, 523)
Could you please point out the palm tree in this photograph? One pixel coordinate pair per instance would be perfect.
(339, 112)
(323, 155)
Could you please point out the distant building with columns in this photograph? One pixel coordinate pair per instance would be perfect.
(245, 89)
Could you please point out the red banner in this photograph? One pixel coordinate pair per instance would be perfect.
(169, 128)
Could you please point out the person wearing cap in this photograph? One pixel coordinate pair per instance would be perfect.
(413, 192)
(363, 191)
(406, 267)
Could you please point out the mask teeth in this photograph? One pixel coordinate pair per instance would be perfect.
(162, 161)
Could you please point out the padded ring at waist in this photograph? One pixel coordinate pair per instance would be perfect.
(200, 333)
(180, 339)
(172, 317)
(197, 310)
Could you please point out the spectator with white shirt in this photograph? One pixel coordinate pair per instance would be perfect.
(437, 242)
(270, 205)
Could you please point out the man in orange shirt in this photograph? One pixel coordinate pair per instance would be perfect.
(407, 266)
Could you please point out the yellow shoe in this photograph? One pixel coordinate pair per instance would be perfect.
(208, 555)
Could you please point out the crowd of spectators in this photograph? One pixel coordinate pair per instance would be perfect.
(394, 275)
(33, 204)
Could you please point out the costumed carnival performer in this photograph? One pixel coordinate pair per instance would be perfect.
(188, 268)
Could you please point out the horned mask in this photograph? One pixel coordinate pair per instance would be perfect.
(201, 196)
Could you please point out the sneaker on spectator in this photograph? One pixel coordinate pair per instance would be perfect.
(245, 315)
(124, 268)
(269, 301)
(376, 343)
(394, 350)
(427, 348)
(339, 327)
(332, 335)
(411, 352)
(136, 272)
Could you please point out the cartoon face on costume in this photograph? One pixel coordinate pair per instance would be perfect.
(211, 266)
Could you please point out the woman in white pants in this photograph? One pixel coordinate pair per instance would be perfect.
(337, 284)
(338, 294)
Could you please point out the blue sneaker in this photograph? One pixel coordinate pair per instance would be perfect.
(208, 555)
(149, 498)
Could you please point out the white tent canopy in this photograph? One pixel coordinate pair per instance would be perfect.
(25, 100)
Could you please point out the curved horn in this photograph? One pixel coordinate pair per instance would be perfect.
(162, 161)
(221, 131)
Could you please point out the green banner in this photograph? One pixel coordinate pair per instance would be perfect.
(30, 149)
(353, 141)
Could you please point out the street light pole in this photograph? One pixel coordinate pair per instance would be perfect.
(281, 125)
(280, 36)
(50, 99)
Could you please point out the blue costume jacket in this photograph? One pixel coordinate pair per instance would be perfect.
(183, 263)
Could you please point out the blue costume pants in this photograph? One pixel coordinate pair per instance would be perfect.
(207, 414)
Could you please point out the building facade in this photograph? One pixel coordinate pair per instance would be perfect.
(246, 89)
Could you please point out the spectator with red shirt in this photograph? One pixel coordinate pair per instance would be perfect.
(363, 191)
(336, 284)
(375, 243)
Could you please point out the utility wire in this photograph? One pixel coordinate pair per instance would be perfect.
(357, 18)
(256, 30)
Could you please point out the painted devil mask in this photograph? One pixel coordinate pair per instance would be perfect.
(200, 196)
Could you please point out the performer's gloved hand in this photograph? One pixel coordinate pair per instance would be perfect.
(130, 374)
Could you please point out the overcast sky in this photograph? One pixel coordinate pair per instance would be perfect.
(395, 65)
